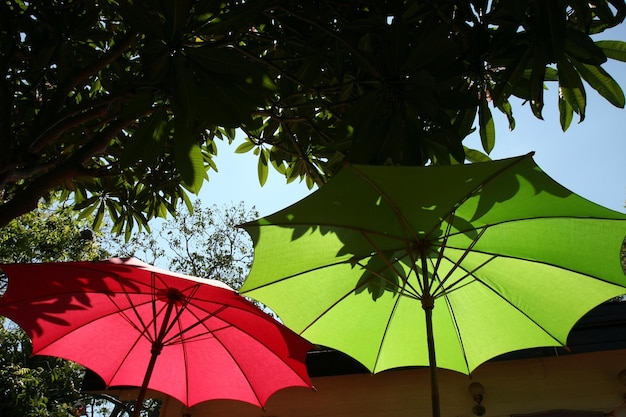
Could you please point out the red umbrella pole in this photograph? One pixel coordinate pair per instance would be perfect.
(156, 350)
(157, 346)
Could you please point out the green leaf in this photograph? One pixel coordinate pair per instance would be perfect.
(188, 156)
(511, 78)
(604, 10)
(465, 120)
(176, 13)
(136, 106)
(537, 106)
(262, 168)
(571, 88)
(474, 155)
(148, 140)
(187, 201)
(487, 126)
(277, 161)
(566, 113)
(556, 21)
(129, 229)
(247, 146)
(582, 48)
(551, 74)
(602, 82)
(88, 210)
(97, 220)
(507, 109)
(191, 166)
(537, 78)
(614, 49)
(185, 99)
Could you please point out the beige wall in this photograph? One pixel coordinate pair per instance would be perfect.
(582, 381)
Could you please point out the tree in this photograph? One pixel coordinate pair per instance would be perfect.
(121, 105)
(34, 386)
(49, 234)
(40, 386)
(45, 386)
(204, 244)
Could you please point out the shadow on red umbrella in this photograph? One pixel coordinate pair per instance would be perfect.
(138, 325)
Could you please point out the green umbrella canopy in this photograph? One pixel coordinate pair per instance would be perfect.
(513, 261)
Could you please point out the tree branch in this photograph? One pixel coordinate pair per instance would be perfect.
(310, 170)
(91, 110)
(26, 198)
(107, 58)
(53, 132)
(365, 62)
(66, 86)
(11, 172)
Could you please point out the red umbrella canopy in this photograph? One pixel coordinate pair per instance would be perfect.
(138, 325)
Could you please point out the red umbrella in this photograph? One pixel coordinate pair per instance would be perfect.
(138, 325)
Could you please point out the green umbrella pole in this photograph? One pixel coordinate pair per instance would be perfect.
(428, 303)
(432, 360)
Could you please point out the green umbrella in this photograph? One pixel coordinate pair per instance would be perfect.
(442, 266)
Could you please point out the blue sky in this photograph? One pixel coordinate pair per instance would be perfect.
(589, 159)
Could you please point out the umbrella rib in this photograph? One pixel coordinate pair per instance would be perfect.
(199, 322)
(480, 186)
(154, 310)
(401, 288)
(174, 321)
(285, 278)
(243, 373)
(490, 288)
(442, 248)
(232, 324)
(444, 241)
(140, 334)
(326, 310)
(460, 260)
(383, 336)
(143, 329)
(119, 310)
(391, 266)
(123, 361)
(330, 307)
(520, 219)
(468, 273)
(457, 330)
(586, 274)
(383, 194)
(193, 289)
(410, 235)
(185, 361)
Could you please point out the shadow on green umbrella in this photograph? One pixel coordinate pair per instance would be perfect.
(442, 266)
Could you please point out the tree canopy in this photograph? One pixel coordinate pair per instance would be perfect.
(39, 385)
(205, 243)
(120, 105)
